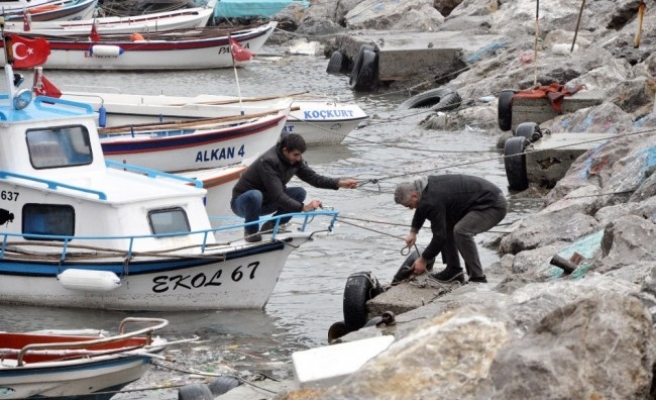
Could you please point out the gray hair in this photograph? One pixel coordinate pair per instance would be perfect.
(405, 190)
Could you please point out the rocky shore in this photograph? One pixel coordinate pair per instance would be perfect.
(533, 331)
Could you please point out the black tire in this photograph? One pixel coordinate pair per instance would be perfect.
(336, 331)
(336, 63)
(223, 384)
(442, 98)
(504, 109)
(365, 69)
(195, 391)
(529, 130)
(515, 163)
(405, 270)
(360, 288)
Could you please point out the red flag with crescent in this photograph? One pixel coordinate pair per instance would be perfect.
(239, 53)
(28, 53)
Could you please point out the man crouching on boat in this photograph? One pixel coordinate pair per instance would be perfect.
(262, 188)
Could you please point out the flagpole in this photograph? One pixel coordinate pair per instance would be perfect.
(9, 60)
(537, 35)
(234, 67)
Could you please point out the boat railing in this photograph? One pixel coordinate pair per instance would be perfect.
(44, 102)
(152, 173)
(158, 323)
(54, 185)
(204, 246)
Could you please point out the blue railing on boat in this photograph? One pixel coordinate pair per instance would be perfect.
(40, 101)
(52, 184)
(307, 217)
(152, 173)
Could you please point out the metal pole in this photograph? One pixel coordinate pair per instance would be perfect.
(537, 35)
(578, 23)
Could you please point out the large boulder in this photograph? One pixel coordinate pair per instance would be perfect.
(374, 14)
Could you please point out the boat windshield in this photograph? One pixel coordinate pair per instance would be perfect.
(171, 220)
(62, 146)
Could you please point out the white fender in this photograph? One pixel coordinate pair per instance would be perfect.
(106, 50)
(92, 281)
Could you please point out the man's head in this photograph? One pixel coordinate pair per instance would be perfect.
(407, 195)
(293, 146)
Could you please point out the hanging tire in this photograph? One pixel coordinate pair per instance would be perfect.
(336, 63)
(336, 331)
(195, 391)
(365, 69)
(439, 99)
(222, 385)
(529, 130)
(515, 163)
(360, 288)
(504, 109)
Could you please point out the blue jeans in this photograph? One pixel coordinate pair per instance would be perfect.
(249, 205)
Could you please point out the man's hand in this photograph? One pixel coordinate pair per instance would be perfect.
(419, 266)
(311, 206)
(348, 183)
(410, 239)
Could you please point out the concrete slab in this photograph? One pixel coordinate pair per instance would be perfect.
(260, 390)
(539, 110)
(548, 159)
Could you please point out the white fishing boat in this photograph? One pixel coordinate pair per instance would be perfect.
(56, 10)
(195, 144)
(199, 48)
(184, 18)
(320, 120)
(75, 364)
(92, 233)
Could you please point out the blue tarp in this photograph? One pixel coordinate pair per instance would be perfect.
(253, 8)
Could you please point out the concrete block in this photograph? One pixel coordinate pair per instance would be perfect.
(548, 159)
(539, 110)
(329, 365)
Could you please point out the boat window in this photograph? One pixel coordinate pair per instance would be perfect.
(63, 146)
(170, 220)
(48, 219)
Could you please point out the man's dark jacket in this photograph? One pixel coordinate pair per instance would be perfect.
(448, 198)
(270, 175)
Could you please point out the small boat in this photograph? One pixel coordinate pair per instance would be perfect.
(185, 18)
(320, 120)
(51, 10)
(198, 48)
(194, 144)
(73, 364)
(93, 233)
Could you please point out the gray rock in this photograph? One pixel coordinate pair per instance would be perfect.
(626, 241)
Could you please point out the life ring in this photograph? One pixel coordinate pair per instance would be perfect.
(405, 270)
(529, 130)
(360, 288)
(195, 391)
(515, 163)
(365, 69)
(504, 109)
(442, 98)
(336, 63)
(222, 385)
(336, 331)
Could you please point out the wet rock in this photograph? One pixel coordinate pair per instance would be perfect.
(559, 358)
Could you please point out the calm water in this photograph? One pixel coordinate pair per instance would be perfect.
(308, 296)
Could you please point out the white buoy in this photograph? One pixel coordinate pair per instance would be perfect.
(104, 50)
(90, 281)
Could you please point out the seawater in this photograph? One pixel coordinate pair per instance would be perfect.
(389, 148)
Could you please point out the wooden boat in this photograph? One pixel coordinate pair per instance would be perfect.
(185, 18)
(92, 233)
(202, 48)
(70, 364)
(52, 10)
(195, 144)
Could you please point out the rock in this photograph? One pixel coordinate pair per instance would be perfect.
(372, 14)
(560, 359)
(626, 241)
(604, 118)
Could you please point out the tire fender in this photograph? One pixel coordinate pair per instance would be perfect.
(222, 385)
(504, 109)
(336, 63)
(530, 130)
(195, 391)
(405, 270)
(364, 74)
(442, 98)
(360, 288)
(515, 162)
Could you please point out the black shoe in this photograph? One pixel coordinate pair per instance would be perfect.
(252, 237)
(478, 279)
(448, 275)
(268, 226)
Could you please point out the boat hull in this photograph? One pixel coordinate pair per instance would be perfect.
(238, 279)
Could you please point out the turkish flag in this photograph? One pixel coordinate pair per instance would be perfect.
(28, 53)
(47, 89)
(239, 53)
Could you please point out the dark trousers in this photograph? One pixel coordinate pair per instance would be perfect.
(250, 206)
(461, 239)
